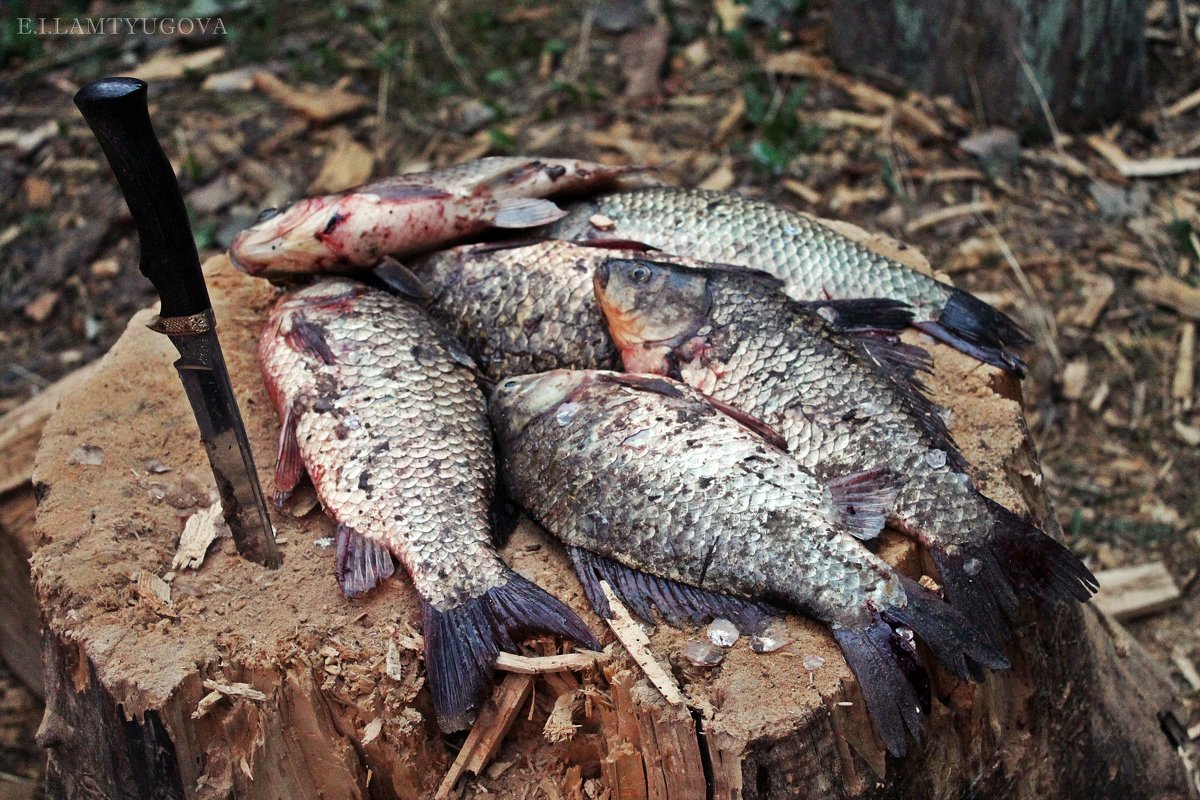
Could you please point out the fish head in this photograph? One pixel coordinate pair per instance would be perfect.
(290, 239)
(651, 307)
(517, 401)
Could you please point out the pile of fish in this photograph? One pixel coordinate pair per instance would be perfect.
(703, 396)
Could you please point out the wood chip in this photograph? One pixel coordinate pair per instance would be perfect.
(1183, 384)
(521, 665)
(1172, 293)
(1130, 592)
(156, 593)
(635, 640)
(489, 730)
(166, 66)
(1182, 105)
(199, 532)
(347, 165)
(1148, 168)
(1187, 669)
(323, 105)
(524, 665)
(950, 212)
(372, 731)
(732, 119)
(242, 690)
(803, 191)
(720, 178)
(918, 120)
(1098, 290)
(40, 308)
(206, 704)
(1074, 379)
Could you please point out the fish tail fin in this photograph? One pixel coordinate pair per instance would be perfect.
(461, 643)
(956, 643)
(1037, 564)
(892, 681)
(981, 331)
(976, 586)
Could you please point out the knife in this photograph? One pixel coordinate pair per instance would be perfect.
(116, 110)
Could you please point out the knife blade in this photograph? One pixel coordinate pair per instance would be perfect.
(117, 112)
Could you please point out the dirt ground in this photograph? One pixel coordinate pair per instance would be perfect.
(1052, 232)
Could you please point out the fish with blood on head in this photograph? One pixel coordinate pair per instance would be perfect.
(814, 261)
(673, 503)
(522, 307)
(383, 412)
(413, 213)
(842, 404)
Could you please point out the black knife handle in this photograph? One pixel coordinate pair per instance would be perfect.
(116, 110)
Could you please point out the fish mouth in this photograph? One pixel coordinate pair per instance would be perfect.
(282, 240)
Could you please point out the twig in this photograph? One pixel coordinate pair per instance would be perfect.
(581, 48)
(381, 110)
(488, 731)
(522, 665)
(448, 49)
(631, 635)
(1046, 319)
(950, 212)
(1041, 97)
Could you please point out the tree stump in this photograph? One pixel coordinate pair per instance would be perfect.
(247, 683)
(1084, 63)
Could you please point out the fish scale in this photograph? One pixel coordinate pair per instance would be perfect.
(380, 409)
(674, 496)
(520, 309)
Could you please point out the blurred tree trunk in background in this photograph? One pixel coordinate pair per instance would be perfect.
(1087, 58)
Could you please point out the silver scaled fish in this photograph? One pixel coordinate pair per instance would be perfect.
(382, 411)
(674, 503)
(814, 261)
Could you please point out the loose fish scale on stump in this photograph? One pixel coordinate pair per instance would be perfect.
(772, 726)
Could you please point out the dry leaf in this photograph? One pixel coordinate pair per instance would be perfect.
(319, 105)
(348, 164)
(166, 66)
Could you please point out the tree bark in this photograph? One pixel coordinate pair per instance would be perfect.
(1086, 59)
(249, 683)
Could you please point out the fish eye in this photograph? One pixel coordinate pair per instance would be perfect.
(640, 274)
(266, 214)
(509, 384)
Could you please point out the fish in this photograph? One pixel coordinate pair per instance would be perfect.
(412, 213)
(842, 403)
(382, 411)
(675, 504)
(524, 307)
(814, 261)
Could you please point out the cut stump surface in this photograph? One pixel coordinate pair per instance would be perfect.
(343, 712)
